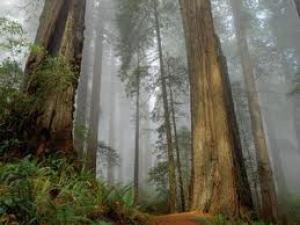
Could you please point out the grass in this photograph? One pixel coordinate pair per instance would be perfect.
(59, 193)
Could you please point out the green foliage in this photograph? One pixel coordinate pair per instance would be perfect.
(291, 208)
(296, 88)
(108, 154)
(56, 192)
(81, 132)
(159, 176)
(15, 105)
(12, 37)
(52, 77)
(18, 109)
(132, 21)
(21, 103)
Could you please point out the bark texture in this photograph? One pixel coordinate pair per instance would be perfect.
(60, 33)
(219, 180)
(167, 123)
(269, 205)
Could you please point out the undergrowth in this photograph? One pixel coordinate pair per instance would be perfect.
(56, 192)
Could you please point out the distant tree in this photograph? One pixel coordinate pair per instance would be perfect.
(177, 80)
(94, 116)
(269, 207)
(167, 119)
(297, 3)
(135, 37)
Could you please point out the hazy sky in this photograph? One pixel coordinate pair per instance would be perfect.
(13, 9)
(23, 12)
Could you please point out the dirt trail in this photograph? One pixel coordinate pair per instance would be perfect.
(189, 218)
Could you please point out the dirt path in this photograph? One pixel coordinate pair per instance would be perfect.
(189, 218)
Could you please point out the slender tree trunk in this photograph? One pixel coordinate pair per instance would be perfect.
(178, 159)
(219, 179)
(137, 135)
(168, 129)
(61, 34)
(111, 139)
(297, 4)
(269, 205)
(296, 112)
(94, 117)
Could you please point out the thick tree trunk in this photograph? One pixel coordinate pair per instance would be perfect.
(94, 117)
(269, 205)
(60, 33)
(178, 159)
(167, 124)
(219, 180)
(137, 136)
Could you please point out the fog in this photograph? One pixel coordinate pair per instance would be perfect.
(272, 29)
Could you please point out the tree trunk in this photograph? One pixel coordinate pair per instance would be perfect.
(171, 165)
(178, 160)
(95, 99)
(297, 4)
(112, 117)
(88, 55)
(219, 180)
(60, 33)
(296, 113)
(137, 136)
(269, 205)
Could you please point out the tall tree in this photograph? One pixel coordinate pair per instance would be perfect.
(219, 180)
(175, 136)
(60, 33)
(134, 38)
(269, 205)
(112, 117)
(167, 122)
(137, 132)
(95, 98)
(87, 68)
(297, 3)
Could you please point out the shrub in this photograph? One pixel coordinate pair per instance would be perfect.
(56, 192)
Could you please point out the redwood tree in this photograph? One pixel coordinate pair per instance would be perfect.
(219, 180)
(60, 34)
(269, 205)
(167, 121)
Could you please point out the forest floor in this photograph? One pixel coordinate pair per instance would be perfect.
(189, 218)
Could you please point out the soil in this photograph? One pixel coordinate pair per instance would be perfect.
(189, 218)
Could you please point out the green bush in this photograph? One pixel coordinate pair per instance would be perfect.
(55, 192)
(291, 208)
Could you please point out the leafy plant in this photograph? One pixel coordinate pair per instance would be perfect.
(52, 77)
(57, 192)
